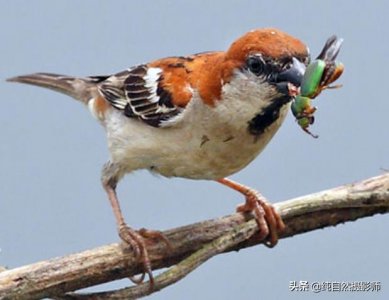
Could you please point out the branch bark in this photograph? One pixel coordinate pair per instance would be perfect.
(192, 245)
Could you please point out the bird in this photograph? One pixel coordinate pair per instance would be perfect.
(202, 116)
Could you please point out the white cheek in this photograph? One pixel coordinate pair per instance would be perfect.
(246, 95)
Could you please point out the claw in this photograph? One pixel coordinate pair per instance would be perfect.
(157, 235)
(130, 237)
(135, 240)
(269, 221)
(139, 280)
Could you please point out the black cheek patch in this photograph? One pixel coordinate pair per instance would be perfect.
(258, 124)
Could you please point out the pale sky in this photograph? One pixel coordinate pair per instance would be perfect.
(52, 150)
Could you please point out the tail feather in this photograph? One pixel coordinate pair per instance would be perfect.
(82, 89)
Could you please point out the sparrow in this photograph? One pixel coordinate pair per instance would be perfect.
(202, 116)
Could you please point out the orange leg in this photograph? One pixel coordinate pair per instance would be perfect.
(269, 222)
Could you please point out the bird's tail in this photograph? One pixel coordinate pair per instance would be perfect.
(82, 89)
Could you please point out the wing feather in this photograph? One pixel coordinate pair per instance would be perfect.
(139, 92)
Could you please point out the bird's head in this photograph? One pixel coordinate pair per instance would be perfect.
(268, 57)
(259, 70)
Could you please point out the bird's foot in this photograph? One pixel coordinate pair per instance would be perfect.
(269, 221)
(156, 235)
(136, 240)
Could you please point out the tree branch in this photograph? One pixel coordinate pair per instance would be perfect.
(192, 245)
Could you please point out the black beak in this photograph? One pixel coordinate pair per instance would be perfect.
(293, 75)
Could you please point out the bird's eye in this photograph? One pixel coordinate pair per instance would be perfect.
(256, 65)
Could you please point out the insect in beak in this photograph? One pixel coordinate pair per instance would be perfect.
(318, 76)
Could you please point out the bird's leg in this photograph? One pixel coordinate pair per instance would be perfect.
(110, 177)
(269, 222)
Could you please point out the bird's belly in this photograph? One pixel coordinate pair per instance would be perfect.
(213, 157)
(189, 152)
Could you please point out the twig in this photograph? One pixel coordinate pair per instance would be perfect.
(57, 276)
(180, 270)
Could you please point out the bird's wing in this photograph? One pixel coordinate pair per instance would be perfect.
(154, 93)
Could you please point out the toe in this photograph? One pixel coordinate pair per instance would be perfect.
(156, 235)
(269, 222)
(137, 243)
(127, 235)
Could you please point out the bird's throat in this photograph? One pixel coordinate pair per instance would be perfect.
(266, 117)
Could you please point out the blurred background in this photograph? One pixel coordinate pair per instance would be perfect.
(52, 150)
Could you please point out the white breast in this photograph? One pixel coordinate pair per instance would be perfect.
(202, 143)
